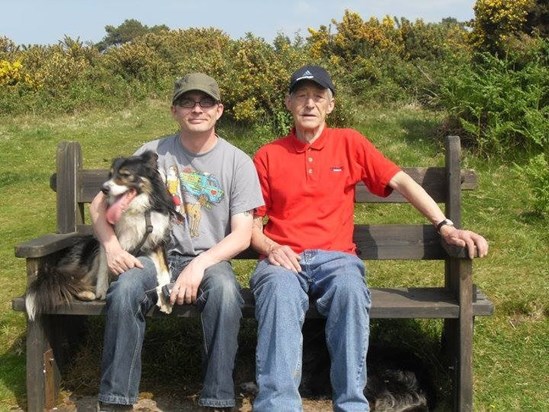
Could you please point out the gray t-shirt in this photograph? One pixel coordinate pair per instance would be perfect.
(207, 189)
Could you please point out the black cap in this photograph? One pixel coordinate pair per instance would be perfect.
(314, 73)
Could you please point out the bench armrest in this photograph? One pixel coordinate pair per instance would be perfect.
(46, 244)
(458, 252)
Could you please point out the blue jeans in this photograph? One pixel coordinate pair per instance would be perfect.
(335, 282)
(133, 294)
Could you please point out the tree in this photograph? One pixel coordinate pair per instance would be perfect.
(126, 32)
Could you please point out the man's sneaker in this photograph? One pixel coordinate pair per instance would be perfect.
(110, 407)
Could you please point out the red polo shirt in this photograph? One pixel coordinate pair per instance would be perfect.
(309, 189)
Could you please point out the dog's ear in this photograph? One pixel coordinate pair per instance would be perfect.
(115, 165)
(151, 159)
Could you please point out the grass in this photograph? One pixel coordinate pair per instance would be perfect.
(510, 347)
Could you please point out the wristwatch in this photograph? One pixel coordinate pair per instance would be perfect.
(443, 223)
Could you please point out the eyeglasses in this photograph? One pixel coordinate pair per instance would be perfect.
(205, 103)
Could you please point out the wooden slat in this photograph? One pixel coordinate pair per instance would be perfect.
(91, 181)
(380, 242)
(374, 242)
(432, 303)
(69, 160)
(431, 178)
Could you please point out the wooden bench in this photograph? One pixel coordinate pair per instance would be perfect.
(458, 301)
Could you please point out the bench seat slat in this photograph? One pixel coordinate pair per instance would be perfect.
(429, 303)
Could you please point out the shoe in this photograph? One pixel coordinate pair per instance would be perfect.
(111, 407)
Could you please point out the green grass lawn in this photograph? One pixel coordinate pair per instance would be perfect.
(510, 352)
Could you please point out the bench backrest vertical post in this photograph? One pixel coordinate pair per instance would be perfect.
(459, 280)
(453, 179)
(69, 212)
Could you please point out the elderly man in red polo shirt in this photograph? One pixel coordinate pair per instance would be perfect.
(308, 182)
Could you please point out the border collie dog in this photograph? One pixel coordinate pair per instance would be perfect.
(140, 210)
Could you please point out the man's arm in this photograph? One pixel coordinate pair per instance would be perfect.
(420, 199)
(185, 289)
(279, 255)
(118, 260)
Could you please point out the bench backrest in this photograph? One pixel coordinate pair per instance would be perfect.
(76, 186)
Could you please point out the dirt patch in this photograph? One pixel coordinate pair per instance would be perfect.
(150, 403)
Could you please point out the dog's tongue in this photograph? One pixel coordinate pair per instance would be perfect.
(114, 211)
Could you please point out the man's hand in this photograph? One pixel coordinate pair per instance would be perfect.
(284, 256)
(465, 238)
(119, 261)
(185, 289)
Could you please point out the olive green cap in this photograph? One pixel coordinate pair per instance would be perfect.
(196, 81)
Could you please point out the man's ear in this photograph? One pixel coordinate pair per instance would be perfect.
(220, 109)
(287, 101)
(331, 106)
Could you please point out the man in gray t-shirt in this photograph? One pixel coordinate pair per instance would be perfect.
(214, 185)
(208, 189)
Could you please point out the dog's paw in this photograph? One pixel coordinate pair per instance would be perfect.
(86, 295)
(101, 290)
(101, 294)
(163, 303)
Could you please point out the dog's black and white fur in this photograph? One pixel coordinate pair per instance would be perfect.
(141, 213)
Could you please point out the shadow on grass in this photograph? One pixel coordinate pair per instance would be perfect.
(12, 370)
(172, 358)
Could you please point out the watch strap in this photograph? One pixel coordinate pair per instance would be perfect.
(443, 223)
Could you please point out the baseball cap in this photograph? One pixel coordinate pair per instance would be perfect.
(196, 81)
(314, 73)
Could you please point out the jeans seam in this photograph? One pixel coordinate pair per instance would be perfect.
(136, 351)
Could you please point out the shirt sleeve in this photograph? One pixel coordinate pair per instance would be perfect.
(260, 162)
(246, 194)
(377, 170)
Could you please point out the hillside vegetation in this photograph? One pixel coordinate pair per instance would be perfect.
(404, 84)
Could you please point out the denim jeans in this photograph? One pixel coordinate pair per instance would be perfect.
(335, 282)
(133, 294)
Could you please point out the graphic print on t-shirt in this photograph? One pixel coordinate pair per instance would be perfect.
(200, 189)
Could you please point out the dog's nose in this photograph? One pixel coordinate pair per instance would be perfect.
(105, 188)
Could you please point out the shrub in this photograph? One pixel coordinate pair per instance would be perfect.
(536, 176)
(496, 21)
(388, 61)
(500, 104)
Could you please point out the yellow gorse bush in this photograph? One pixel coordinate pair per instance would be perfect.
(497, 20)
(10, 73)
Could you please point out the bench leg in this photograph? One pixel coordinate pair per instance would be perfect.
(51, 342)
(42, 371)
(458, 337)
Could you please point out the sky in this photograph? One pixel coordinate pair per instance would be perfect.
(49, 21)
